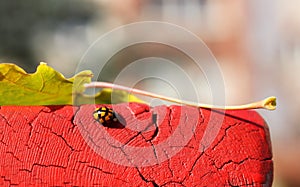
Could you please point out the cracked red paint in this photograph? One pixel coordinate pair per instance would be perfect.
(51, 146)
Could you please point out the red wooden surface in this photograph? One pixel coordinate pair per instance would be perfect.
(161, 146)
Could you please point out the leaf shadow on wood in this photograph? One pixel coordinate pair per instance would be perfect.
(222, 112)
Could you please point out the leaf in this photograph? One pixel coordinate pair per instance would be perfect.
(44, 87)
(48, 87)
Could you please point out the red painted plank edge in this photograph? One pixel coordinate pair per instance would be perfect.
(160, 146)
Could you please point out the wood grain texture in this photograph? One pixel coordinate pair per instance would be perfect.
(161, 146)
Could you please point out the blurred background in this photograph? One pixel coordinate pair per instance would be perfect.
(256, 44)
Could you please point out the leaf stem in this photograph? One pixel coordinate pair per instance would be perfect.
(268, 103)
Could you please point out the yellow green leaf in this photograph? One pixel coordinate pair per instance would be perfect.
(48, 87)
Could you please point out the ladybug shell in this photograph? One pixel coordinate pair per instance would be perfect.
(104, 115)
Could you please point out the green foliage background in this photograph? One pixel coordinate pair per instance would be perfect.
(21, 20)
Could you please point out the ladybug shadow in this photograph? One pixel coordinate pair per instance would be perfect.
(119, 124)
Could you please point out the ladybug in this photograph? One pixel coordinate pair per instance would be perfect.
(105, 115)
